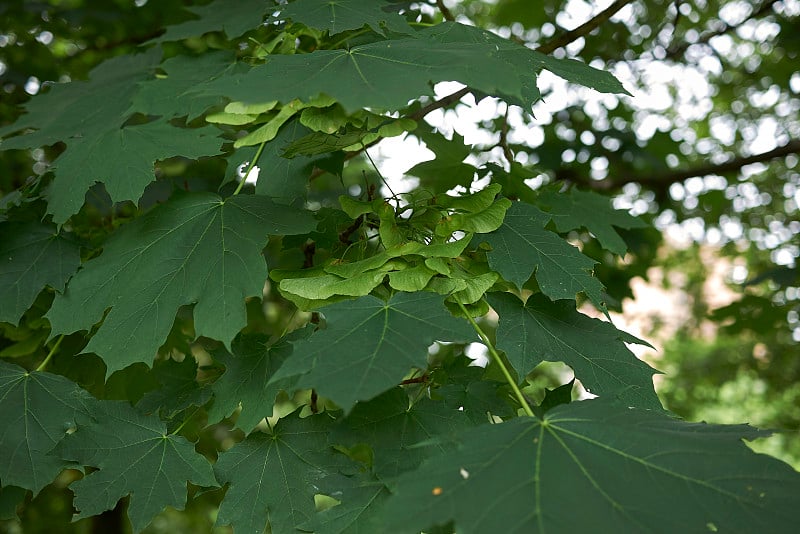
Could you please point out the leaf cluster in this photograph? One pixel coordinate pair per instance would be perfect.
(300, 345)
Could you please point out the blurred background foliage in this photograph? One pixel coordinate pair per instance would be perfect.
(706, 151)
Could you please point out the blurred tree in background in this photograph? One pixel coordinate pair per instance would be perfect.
(706, 150)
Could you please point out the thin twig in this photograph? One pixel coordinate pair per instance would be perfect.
(566, 38)
(445, 11)
(706, 36)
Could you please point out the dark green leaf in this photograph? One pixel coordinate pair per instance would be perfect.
(135, 456)
(196, 248)
(248, 370)
(541, 330)
(370, 344)
(32, 256)
(366, 75)
(361, 499)
(274, 477)
(522, 247)
(395, 429)
(593, 463)
(579, 209)
(178, 389)
(36, 411)
(234, 17)
(447, 169)
(125, 174)
(336, 16)
(83, 109)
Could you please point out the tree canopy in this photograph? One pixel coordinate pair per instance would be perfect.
(212, 298)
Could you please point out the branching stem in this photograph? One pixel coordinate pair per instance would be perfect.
(52, 352)
(498, 360)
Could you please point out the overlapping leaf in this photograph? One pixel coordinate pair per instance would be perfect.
(540, 330)
(248, 369)
(273, 477)
(32, 256)
(196, 248)
(366, 75)
(336, 16)
(37, 410)
(395, 429)
(369, 344)
(135, 456)
(122, 159)
(361, 498)
(83, 109)
(522, 247)
(584, 209)
(179, 389)
(234, 17)
(593, 465)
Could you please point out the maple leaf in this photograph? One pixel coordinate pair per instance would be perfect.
(248, 369)
(135, 456)
(83, 108)
(169, 95)
(358, 512)
(540, 330)
(336, 16)
(447, 169)
(273, 477)
(585, 209)
(394, 429)
(628, 470)
(32, 256)
(125, 176)
(234, 17)
(365, 75)
(178, 389)
(195, 248)
(37, 410)
(370, 344)
(522, 247)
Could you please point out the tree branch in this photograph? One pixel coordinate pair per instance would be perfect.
(566, 38)
(679, 175)
(445, 12)
(677, 50)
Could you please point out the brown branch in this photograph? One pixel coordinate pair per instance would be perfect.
(417, 380)
(665, 179)
(566, 38)
(445, 12)
(705, 37)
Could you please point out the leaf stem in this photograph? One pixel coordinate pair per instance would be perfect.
(250, 168)
(498, 360)
(52, 352)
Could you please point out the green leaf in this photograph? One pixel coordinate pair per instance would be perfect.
(37, 410)
(366, 75)
(32, 256)
(468, 389)
(525, 62)
(83, 109)
(248, 369)
(447, 169)
(594, 463)
(161, 261)
(122, 159)
(412, 279)
(589, 210)
(394, 429)
(178, 389)
(322, 143)
(169, 95)
(135, 456)
(540, 330)
(336, 16)
(234, 17)
(273, 477)
(369, 345)
(361, 499)
(521, 247)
